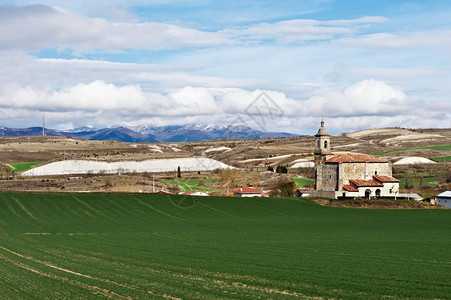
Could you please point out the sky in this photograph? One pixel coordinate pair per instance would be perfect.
(269, 65)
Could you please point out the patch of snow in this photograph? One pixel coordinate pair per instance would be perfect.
(306, 164)
(218, 149)
(414, 160)
(67, 167)
(302, 160)
(156, 148)
(266, 158)
(413, 136)
(349, 145)
(176, 149)
(133, 145)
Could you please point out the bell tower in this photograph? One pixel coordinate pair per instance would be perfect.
(322, 148)
(322, 140)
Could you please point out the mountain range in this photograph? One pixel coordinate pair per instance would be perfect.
(152, 134)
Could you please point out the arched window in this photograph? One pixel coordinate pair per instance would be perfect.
(325, 144)
(367, 194)
(378, 193)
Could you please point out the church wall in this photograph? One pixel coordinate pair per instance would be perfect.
(363, 171)
(330, 177)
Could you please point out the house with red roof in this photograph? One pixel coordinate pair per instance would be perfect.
(247, 192)
(350, 175)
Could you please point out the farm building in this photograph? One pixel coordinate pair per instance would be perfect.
(350, 175)
(247, 192)
(444, 199)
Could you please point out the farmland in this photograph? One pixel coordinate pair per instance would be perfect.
(435, 147)
(137, 245)
(21, 167)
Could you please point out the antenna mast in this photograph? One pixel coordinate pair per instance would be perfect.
(43, 124)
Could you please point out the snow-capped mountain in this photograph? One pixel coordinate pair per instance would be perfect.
(148, 133)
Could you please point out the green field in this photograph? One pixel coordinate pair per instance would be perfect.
(441, 158)
(303, 181)
(25, 166)
(434, 147)
(189, 184)
(153, 246)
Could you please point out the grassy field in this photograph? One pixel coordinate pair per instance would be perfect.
(25, 166)
(303, 181)
(154, 246)
(435, 147)
(418, 178)
(189, 184)
(441, 158)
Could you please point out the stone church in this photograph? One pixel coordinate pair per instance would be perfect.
(350, 175)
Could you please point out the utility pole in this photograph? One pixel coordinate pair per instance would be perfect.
(43, 124)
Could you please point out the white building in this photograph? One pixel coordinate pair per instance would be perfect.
(444, 199)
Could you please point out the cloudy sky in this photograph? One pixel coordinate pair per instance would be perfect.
(271, 65)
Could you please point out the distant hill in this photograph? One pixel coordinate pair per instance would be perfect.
(152, 134)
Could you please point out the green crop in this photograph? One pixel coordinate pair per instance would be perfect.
(435, 147)
(146, 246)
(25, 166)
(303, 181)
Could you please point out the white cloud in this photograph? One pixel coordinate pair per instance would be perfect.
(367, 97)
(299, 30)
(434, 39)
(35, 27)
(368, 103)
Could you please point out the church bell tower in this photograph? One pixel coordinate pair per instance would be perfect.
(322, 149)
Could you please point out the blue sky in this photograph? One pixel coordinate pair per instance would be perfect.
(357, 64)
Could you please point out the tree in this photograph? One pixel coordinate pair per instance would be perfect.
(270, 168)
(282, 169)
(179, 172)
(284, 188)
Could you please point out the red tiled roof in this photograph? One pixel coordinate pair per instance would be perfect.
(344, 158)
(247, 190)
(350, 188)
(360, 182)
(385, 178)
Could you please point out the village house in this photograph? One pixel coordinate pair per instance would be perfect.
(350, 175)
(247, 192)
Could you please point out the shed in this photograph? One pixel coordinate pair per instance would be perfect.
(444, 199)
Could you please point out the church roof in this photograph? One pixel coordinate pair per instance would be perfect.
(385, 178)
(361, 182)
(347, 158)
(350, 188)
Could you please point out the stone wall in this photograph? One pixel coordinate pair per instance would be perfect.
(330, 177)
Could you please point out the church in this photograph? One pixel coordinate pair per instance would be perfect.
(350, 175)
